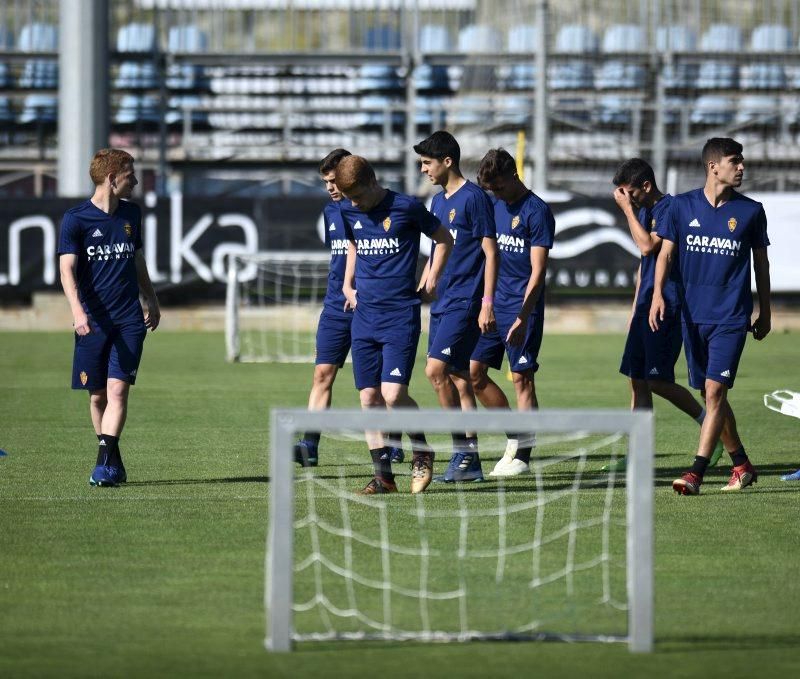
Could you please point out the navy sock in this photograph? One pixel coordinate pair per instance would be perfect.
(312, 437)
(393, 439)
(739, 457)
(381, 463)
(700, 465)
(108, 450)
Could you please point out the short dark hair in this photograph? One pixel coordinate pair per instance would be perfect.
(717, 148)
(329, 162)
(635, 172)
(495, 164)
(440, 145)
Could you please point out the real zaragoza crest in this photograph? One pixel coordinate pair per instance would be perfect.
(452, 215)
(84, 378)
(515, 222)
(387, 223)
(652, 223)
(732, 224)
(128, 229)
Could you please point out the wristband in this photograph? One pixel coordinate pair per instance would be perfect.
(487, 299)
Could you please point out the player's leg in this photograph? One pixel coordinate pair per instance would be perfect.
(98, 400)
(332, 347)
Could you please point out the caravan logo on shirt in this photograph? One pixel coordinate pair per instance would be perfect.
(713, 246)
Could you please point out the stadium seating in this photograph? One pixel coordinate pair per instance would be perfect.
(5, 76)
(767, 75)
(429, 78)
(717, 75)
(620, 75)
(6, 112)
(675, 38)
(38, 73)
(712, 109)
(383, 37)
(475, 39)
(39, 109)
(434, 38)
(571, 75)
(614, 109)
(758, 108)
(38, 37)
(576, 39)
(722, 38)
(624, 38)
(771, 38)
(523, 38)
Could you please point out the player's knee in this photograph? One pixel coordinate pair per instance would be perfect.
(479, 377)
(370, 398)
(393, 394)
(98, 399)
(324, 375)
(715, 393)
(117, 390)
(436, 372)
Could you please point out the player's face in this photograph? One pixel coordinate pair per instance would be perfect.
(435, 170)
(330, 186)
(730, 170)
(637, 194)
(364, 198)
(504, 188)
(124, 181)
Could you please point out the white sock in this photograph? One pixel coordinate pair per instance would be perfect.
(702, 416)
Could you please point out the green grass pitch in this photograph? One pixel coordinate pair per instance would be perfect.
(164, 577)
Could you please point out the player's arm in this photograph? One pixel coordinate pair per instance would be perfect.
(663, 267)
(423, 295)
(441, 253)
(648, 242)
(486, 319)
(349, 283)
(762, 324)
(153, 315)
(635, 293)
(68, 265)
(516, 333)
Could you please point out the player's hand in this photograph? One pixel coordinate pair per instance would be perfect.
(350, 300)
(81, 324)
(430, 287)
(761, 327)
(153, 317)
(623, 199)
(516, 333)
(486, 319)
(657, 309)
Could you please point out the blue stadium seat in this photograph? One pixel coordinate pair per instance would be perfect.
(39, 108)
(136, 37)
(523, 38)
(576, 39)
(430, 111)
(763, 76)
(717, 75)
(434, 38)
(134, 108)
(614, 109)
(6, 38)
(383, 37)
(513, 109)
(479, 39)
(680, 74)
(5, 76)
(722, 38)
(675, 38)
(571, 75)
(622, 38)
(38, 37)
(620, 75)
(177, 104)
(429, 78)
(188, 38)
(376, 109)
(758, 108)
(6, 112)
(712, 109)
(468, 110)
(379, 78)
(771, 38)
(39, 74)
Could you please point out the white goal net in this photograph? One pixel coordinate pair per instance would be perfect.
(272, 305)
(563, 553)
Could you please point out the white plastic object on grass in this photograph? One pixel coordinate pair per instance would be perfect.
(784, 401)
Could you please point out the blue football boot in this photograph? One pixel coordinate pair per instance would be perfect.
(105, 476)
(306, 454)
(464, 467)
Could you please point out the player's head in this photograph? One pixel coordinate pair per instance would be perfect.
(638, 180)
(356, 180)
(498, 173)
(327, 170)
(113, 168)
(723, 161)
(439, 154)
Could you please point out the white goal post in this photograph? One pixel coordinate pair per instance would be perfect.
(637, 510)
(272, 304)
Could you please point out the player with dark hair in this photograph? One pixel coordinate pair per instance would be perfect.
(525, 232)
(103, 271)
(384, 228)
(649, 357)
(709, 235)
(463, 304)
(333, 329)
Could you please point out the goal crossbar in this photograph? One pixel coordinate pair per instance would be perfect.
(637, 425)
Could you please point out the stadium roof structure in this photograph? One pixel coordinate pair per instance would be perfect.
(308, 4)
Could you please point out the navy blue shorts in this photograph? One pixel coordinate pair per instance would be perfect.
(333, 337)
(453, 336)
(384, 345)
(111, 350)
(652, 355)
(492, 345)
(713, 352)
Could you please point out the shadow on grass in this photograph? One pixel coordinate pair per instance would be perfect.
(189, 482)
(724, 642)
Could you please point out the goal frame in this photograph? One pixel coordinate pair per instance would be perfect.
(638, 425)
(237, 262)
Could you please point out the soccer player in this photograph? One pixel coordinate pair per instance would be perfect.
(463, 305)
(103, 271)
(709, 235)
(333, 329)
(384, 228)
(525, 232)
(649, 357)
